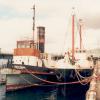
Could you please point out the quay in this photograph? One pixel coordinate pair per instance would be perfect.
(6, 55)
(94, 90)
(2, 82)
(2, 79)
(5, 58)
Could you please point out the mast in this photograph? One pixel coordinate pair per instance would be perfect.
(33, 20)
(73, 19)
(80, 32)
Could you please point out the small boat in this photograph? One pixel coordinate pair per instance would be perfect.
(2, 80)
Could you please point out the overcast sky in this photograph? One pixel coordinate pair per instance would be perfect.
(55, 15)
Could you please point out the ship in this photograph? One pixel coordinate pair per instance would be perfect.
(31, 66)
(75, 66)
(5, 58)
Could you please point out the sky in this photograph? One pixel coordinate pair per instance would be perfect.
(55, 15)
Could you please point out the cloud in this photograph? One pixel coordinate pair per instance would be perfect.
(12, 30)
(16, 20)
(89, 10)
(92, 21)
(91, 38)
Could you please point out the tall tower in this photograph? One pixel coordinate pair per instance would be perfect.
(41, 38)
(80, 32)
(73, 34)
(33, 20)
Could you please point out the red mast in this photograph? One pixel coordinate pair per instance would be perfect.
(80, 32)
(73, 35)
(33, 20)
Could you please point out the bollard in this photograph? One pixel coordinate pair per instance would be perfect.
(91, 95)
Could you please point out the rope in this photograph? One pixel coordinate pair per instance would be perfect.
(59, 83)
(78, 77)
(26, 80)
(80, 74)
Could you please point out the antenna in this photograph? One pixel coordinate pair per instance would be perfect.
(33, 20)
(73, 33)
(80, 32)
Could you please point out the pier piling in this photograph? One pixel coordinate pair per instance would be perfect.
(94, 90)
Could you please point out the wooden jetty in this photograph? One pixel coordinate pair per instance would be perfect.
(2, 82)
(94, 90)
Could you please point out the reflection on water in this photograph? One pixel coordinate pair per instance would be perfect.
(66, 92)
(45, 93)
(51, 95)
(2, 92)
(33, 94)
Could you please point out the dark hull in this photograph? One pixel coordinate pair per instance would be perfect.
(44, 76)
(33, 68)
(21, 81)
(67, 75)
(64, 72)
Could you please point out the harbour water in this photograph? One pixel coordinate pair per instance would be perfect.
(44, 93)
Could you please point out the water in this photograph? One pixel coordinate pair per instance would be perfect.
(2, 92)
(44, 93)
